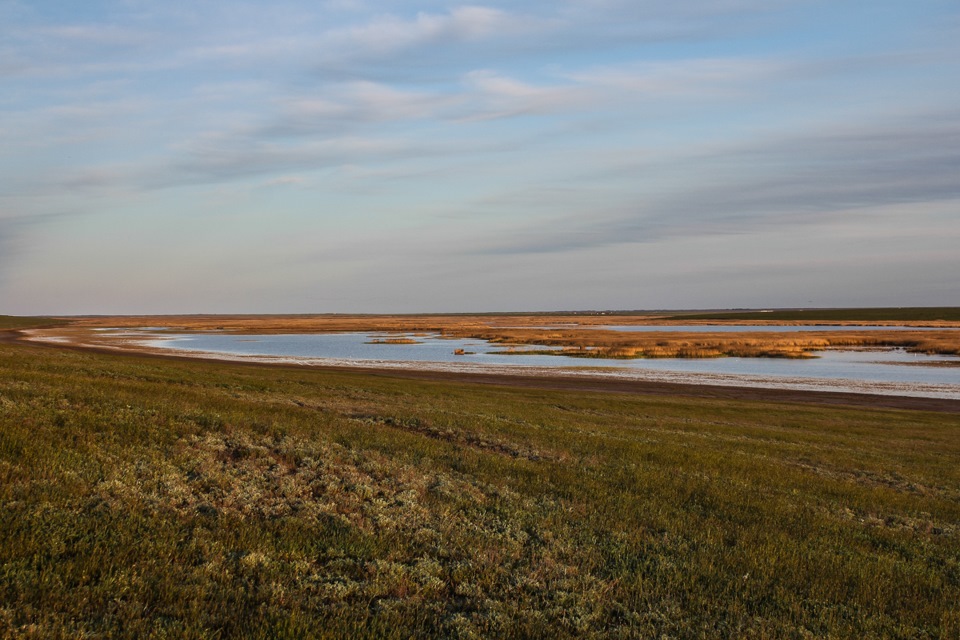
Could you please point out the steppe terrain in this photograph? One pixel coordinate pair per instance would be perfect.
(145, 496)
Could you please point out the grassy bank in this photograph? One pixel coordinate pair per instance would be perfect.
(153, 498)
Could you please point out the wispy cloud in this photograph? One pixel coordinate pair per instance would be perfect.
(352, 105)
(390, 34)
(808, 179)
(503, 133)
(463, 24)
(683, 78)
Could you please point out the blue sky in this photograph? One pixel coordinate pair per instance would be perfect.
(354, 156)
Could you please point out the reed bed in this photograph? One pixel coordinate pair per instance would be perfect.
(613, 344)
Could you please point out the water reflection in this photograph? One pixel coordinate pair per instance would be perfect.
(888, 366)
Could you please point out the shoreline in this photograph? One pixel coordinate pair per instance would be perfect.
(606, 336)
(533, 378)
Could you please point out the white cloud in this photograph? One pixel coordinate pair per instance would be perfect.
(492, 95)
(682, 77)
(285, 181)
(388, 34)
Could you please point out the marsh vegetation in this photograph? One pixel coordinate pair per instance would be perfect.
(394, 341)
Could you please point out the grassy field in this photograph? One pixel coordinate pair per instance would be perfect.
(155, 498)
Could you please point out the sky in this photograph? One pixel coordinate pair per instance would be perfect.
(400, 157)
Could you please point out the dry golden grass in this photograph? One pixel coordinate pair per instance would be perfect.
(594, 342)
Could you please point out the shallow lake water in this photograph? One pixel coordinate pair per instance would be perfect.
(875, 371)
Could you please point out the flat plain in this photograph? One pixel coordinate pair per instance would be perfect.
(156, 497)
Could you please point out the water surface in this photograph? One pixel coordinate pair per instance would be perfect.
(878, 371)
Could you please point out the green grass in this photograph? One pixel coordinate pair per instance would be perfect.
(892, 314)
(153, 498)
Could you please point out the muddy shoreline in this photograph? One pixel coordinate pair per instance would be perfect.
(572, 383)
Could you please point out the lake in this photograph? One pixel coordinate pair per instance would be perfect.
(886, 371)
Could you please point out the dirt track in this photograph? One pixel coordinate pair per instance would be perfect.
(573, 384)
